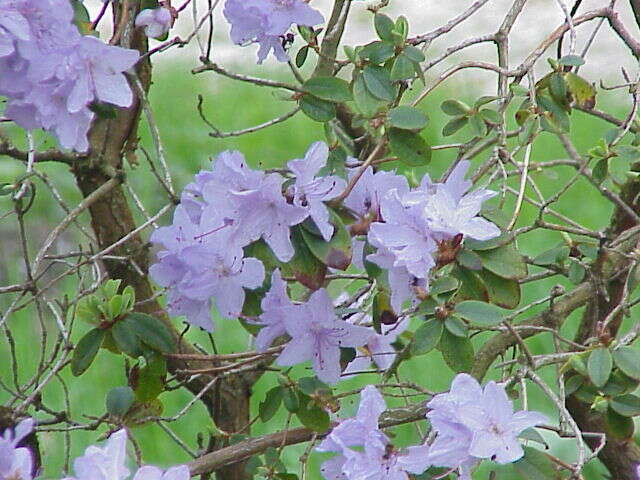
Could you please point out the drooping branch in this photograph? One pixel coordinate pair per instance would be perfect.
(238, 452)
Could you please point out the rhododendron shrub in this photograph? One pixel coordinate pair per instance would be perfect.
(377, 274)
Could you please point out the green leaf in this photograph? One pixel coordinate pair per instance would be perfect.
(367, 104)
(469, 259)
(503, 292)
(495, 242)
(301, 56)
(455, 107)
(378, 82)
(377, 52)
(530, 129)
(86, 350)
(572, 384)
(627, 359)
(153, 332)
(619, 426)
(599, 366)
(410, 147)
(336, 253)
(626, 405)
(304, 265)
(311, 385)
(584, 94)
(290, 400)
(490, 115)
(601, 170)
(150, 379)
(401, 30)
(553, 256)
(558, 89)
(384, 27)
(472, 286)
(480, 313)
(271, 403)
(484, 100)
(576, 272)
(126, 338)
(119, 401)
(533, 435)
(312, 416)
(443, 285)
(81, 17)
(350, 52)
(454, 125)
(414, 54)
(504, 261)
(403, 68)
(317, 109)
(426, 337)
(332, 89)
(457, 352)
(571, 60)
(535, 465)
(382, 311)
(456, 327)
(557, 121)
(407, 118)
(619, 384)
(518, 90)
(478, 127)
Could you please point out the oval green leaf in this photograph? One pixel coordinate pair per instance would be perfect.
(86, 350)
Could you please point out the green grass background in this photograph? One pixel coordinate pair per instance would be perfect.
(233, 105)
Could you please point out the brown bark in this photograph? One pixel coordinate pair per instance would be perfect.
(620, 456)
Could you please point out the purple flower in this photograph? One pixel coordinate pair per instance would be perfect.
(405, 235)
(97, 71)
(201, 262)
(381, 461)
(365, 198)
(266, 21)
(352, 431)
(156, 21)
(51, 73)
(52, 37)
(180, 472)
(378, 348)
(45, 106)
(317, 334)
(16, 463)
(474, 423)
(273, 304)
(310, 191)
(230, 172)
(403, 285)
(254, 201)
(496, 427)
(107, 463)
(13, 26)
(378, 459)
(449, 210)
(412, 226)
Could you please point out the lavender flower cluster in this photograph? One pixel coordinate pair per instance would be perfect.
(51, 74)
(266, 22)
(410, 227)
(97, 463)
(223, 211)
(227, 208)
(471, 424)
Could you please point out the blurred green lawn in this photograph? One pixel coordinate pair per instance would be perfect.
(231, 105)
